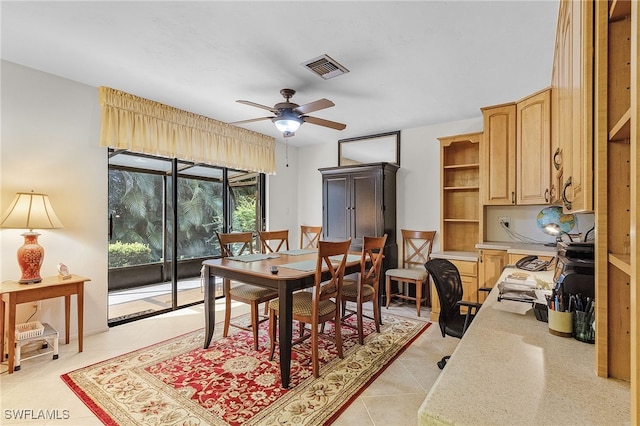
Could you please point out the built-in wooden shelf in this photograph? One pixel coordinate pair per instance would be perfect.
(463, 166)
(621, 261)
(461, 188)
(621, 131)
(619, 9)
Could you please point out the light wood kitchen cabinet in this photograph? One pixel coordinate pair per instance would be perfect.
(533, 149)
(498, 157)
(460, 200)
(572, 84)
(460, 211)
(491, 264)
(617, 168)
(516, 152)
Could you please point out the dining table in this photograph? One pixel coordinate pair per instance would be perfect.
(286, 271)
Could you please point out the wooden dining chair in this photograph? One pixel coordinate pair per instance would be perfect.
(365, 287)
(273, 241)
(310, 236)
(244, 293)
(320, 305)
(416, 251)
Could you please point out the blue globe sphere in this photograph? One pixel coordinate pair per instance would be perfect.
(554, 214)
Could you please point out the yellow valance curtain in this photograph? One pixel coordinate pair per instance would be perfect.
(140, 125)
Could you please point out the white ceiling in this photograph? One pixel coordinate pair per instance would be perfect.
(411, 63)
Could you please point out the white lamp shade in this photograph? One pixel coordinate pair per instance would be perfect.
(287, 122)
(30, 210)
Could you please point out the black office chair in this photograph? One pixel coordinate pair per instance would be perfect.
(446, 278)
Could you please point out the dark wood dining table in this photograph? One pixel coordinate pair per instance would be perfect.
(258, 272)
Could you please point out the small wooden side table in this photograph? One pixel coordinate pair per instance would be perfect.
(14, 293)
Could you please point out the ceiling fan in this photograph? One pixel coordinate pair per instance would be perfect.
(289, 116)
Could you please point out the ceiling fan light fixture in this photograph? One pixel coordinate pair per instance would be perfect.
(287, 122)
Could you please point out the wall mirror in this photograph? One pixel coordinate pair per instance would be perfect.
(380, 148)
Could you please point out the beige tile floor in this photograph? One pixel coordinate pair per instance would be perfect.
(392, 399)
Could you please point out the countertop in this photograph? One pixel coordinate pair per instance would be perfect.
(470, 256)
(508, 370)
(518, 248)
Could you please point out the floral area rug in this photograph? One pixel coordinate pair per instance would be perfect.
(177, 382)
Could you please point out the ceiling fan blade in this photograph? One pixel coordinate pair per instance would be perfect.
(251, 120)
(325, 123)
(314, 106)
(253, 104)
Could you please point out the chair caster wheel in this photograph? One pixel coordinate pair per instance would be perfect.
(443, 361)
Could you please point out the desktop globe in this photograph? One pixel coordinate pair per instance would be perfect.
(554, 215)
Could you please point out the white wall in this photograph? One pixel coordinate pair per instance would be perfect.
(523, 221)
(49, 134)
(282, 190)
(418, 179)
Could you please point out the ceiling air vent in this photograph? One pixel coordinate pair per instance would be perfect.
(325, 66)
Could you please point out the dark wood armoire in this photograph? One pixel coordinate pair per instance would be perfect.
(360, 200)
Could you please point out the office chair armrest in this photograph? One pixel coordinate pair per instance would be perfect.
(469, 315)
(469, 304)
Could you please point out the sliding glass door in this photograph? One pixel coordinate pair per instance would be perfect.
(158, 207)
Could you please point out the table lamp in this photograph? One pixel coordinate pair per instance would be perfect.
(30, 210)
(554, 229)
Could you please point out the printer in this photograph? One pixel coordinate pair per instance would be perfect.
(575, 266)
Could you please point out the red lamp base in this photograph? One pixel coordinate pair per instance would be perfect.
(30, 257)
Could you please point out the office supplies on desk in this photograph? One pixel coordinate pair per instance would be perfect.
(532, 263)
(560, 323)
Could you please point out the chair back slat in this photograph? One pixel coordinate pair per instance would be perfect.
(229, 243)
(331, 288)
(416, 246)
(371, 260)
(274, 241)
(310, 236)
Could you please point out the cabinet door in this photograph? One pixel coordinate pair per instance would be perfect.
(366, 206)
(573, 80)
(336, 204)
(470, 290)
(491, 264)
(556, 116)
(469, 277)
(561, 85)
(499, 155)
(533, 126)
(581, 187)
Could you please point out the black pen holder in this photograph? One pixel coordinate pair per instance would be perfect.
(583, 326)
(541, 312)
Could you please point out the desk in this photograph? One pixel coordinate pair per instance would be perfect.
(509, 370)
(14, 293)
(258, 273)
